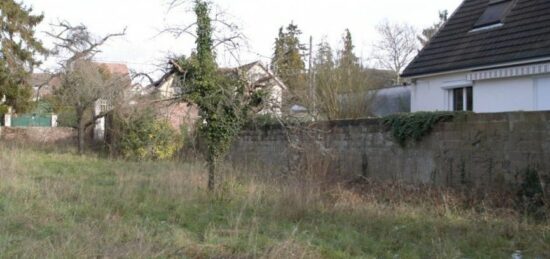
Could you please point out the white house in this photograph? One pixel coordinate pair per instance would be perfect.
(490, 56)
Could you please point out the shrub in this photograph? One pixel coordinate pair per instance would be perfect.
(142, 136)
(531, 194)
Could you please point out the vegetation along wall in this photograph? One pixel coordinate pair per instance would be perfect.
(481, 151)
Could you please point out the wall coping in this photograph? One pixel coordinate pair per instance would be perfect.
(469, 117)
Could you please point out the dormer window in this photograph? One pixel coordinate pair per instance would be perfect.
(494, 14)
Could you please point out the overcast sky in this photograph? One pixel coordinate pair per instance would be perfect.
(141, 49)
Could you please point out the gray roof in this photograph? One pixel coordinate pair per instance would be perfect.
(524, 35)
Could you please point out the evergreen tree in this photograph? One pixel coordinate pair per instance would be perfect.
(341, 83)
(428, 33)
(287, 61)
(348, 65)
(324, 58)
(347, 56)
(18, 48)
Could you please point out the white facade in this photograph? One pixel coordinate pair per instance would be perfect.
(511, 88)
(261, 76)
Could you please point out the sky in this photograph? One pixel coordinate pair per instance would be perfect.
(143, 49)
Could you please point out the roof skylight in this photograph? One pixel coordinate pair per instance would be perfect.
(494, 14)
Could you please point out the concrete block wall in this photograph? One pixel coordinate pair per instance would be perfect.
(479, 151)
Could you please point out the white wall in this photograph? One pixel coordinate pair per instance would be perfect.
(428, 93)
(528, 93)
(504, 95)
(542, 87)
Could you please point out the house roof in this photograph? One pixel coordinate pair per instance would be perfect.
(117, 69)
(524, 35)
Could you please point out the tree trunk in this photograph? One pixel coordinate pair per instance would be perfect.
(81, 133)
(212, 166)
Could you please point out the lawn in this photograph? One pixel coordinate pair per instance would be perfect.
(59, 205)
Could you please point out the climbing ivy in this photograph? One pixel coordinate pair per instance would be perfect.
(414, 126)
(221, 97)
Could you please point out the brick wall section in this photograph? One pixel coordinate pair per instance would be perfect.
(478, 151)
(38, 136)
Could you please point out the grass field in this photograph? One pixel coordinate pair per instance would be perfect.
(66, 206)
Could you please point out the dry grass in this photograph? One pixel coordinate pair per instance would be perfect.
(60, 205)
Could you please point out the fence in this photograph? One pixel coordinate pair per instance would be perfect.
(30, 120)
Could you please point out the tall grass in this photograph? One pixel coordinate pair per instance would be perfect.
(60, 205)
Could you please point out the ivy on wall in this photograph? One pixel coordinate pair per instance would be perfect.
(414, 126)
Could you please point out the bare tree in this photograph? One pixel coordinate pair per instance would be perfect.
(397, 47)
(77, 42)
(226, 35)
(85, 85)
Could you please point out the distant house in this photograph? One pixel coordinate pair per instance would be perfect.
(257, 75)
(490, 56)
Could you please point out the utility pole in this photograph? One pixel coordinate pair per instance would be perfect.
(312, 92)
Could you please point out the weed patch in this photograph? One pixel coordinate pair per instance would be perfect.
(63, 205)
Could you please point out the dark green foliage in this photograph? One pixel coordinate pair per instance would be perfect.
(414, 126)
(66, 115)
(18, 47)
(262, 121)
(531, 194)
(287, 62)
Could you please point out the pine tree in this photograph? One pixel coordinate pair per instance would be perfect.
(341, 83)
(18, 48)
(347, 56)
(324, 58)
(349, 69)
(287, 61)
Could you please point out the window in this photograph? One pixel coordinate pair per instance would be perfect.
(463, 99)
(494, 14)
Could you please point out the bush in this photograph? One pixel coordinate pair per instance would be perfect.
(531, 194)
(142, 136)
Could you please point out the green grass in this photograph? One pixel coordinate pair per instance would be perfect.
(66, 206)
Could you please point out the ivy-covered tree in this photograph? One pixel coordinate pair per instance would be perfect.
(18, 50)
(287, 62)
(428, 33)
(223, 98)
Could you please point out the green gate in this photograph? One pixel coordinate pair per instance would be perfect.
(31, 120)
